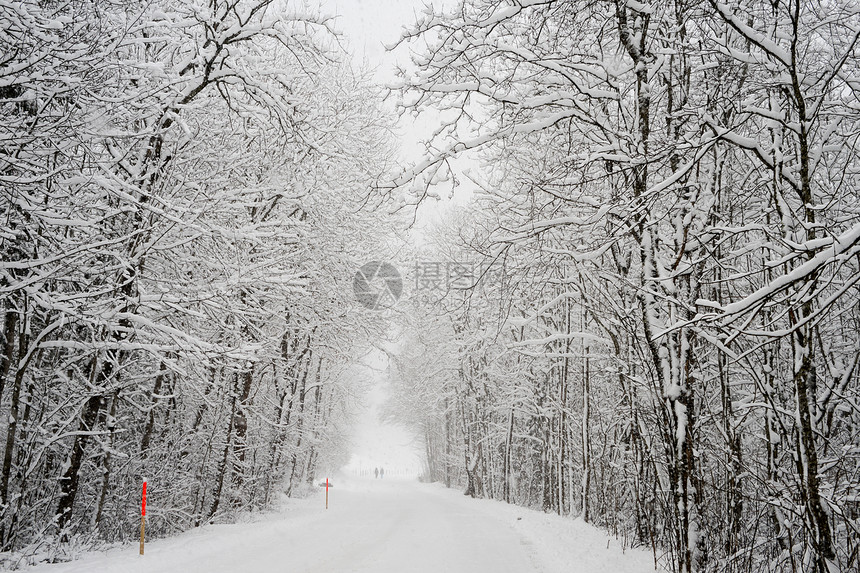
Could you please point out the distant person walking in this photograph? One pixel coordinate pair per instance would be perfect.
(375, 473)
(381, 472)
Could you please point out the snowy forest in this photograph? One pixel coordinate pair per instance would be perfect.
(646, 316)
(172, 178)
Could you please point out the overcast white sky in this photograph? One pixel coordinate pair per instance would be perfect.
(370, 25)
(367, 27)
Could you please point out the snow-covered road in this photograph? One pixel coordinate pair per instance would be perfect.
(380, 527)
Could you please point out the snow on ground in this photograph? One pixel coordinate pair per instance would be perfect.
(379, 526)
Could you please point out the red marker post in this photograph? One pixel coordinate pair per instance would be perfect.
(142, 516)
(326, 493)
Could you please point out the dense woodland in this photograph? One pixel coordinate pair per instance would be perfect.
(171, 294)
(671, 351)
(665, 342)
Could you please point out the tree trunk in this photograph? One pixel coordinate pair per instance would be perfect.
(241, 428)
(11, 436)
(586, 435)
(10, 324)
(295, 455)
(69, 481)
(449, 440)
(150, 419)
(804, 374)
(12, 427)
(111, 426)
(222, 463)
(807, 458)
(509, 439)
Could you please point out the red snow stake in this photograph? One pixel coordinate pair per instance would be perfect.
(142, 516)
(326, 493)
